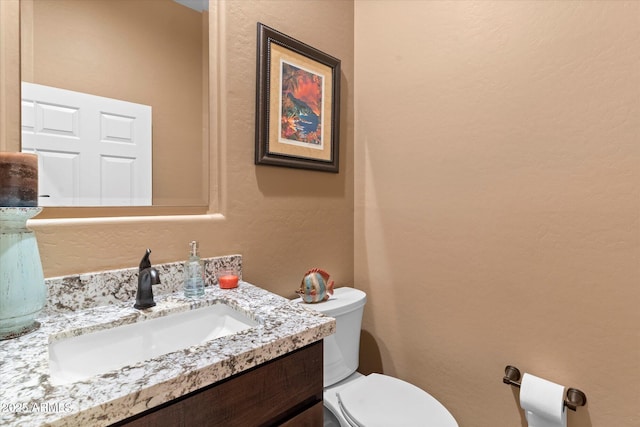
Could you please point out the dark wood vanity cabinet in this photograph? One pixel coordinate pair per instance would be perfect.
(286, 391)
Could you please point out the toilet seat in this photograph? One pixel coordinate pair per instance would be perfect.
(380, 400)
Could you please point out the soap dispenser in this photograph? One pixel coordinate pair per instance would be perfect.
(194, 273)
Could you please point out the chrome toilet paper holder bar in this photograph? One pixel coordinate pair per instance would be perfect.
(573, 399)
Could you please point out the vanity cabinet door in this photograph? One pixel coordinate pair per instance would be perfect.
(286, 391)
(312, 417)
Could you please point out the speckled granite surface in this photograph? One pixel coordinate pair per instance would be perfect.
(84, 303)
(82, 291)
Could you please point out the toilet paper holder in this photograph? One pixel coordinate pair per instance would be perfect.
(573, 399)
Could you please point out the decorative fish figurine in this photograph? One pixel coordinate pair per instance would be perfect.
(315, 286)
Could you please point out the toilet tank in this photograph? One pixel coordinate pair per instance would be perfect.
(341, 349)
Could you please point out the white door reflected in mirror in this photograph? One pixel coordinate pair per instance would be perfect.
(92, 150)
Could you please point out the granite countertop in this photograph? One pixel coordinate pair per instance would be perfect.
(29, 398)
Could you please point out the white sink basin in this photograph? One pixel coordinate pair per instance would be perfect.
(78, 358)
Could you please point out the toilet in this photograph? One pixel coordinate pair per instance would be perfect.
(355, 400)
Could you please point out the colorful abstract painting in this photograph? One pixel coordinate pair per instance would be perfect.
(301, 106)
(297, 104)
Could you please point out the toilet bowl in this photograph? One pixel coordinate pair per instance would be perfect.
(375, 400)
(380, 400)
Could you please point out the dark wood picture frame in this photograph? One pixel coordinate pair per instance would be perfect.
(297, 104)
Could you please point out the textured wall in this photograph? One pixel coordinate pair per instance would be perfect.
(9, 75)
(283, 221)
(497, 200)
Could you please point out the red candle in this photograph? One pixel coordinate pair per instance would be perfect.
(228, 281)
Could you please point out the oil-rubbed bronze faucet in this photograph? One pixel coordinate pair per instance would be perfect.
(147, 277)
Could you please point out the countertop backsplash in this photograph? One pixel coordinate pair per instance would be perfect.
(88, 290)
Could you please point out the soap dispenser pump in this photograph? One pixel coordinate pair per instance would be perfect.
(194, 273)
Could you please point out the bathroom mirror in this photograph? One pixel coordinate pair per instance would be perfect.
(144, 52)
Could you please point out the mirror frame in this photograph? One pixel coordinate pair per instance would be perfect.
(10, 120)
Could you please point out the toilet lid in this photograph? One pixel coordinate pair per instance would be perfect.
(380, 400)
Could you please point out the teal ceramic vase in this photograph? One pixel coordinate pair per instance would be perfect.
(22, 290)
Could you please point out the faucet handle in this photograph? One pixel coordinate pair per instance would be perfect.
(155, 276)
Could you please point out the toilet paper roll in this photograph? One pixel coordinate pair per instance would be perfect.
(543, 402)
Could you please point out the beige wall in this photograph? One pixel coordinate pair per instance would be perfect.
(497, 200)
(9, 75)
(144, 51)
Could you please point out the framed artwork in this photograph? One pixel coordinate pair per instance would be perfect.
(297, 104)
